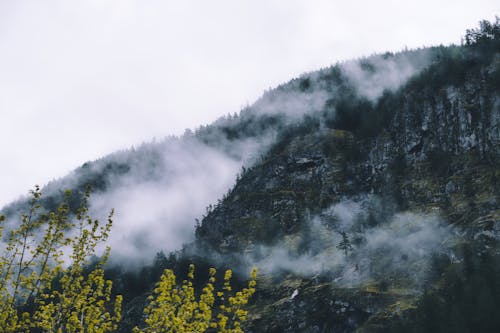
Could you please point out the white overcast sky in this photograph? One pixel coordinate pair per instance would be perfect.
(80, 79)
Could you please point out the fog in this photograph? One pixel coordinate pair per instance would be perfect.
(169, 185)
(396, 248)
(376, 74)
(156, 207)
(294, 104)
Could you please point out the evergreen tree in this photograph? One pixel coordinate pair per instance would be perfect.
(345, 244)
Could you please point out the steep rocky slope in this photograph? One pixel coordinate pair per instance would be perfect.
(429, 151)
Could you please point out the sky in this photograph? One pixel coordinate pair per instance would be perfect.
(81, 79)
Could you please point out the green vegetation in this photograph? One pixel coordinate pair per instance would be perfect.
(51, 281)
(39, 291)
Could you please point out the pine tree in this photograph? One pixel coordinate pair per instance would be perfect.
(345, 244)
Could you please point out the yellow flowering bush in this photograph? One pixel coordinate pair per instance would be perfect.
(34, 277)
(174, 308)
(49, 284)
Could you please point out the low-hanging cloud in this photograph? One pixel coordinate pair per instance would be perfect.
(157, 190)
(159, 213)
(166, 188)
(397, 249)
(370, 77)
(156, 207)
(374, 75)
(292, 103)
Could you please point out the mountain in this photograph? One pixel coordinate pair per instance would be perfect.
(367, 193)
(409, 180)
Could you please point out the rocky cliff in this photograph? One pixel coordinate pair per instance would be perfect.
(409, 184)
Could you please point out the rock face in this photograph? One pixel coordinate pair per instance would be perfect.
(427, 156)
(437, 152)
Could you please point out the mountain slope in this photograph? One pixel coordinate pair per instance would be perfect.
(411, 180)
(367, 193)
